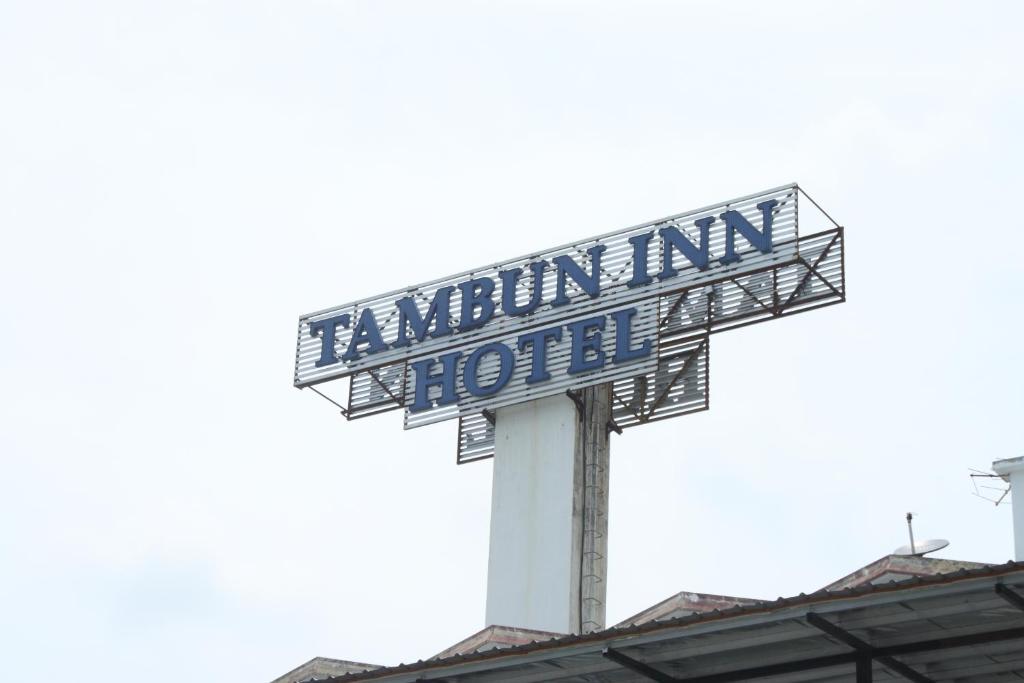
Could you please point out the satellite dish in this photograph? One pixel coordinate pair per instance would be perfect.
(922, 547)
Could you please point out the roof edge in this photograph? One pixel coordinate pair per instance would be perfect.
(808, 600)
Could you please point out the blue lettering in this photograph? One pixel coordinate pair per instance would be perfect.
(326, 329)
(507, 364)
(476, 294)
(444, 379)
(367, 332)
(538, 341)
(582, 342)
(409, 316)
(640, 276)
(508, 289)
(591, 284)
(623, 334)
(673, 239)
(734, 221)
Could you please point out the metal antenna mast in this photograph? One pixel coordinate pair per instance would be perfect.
(910, 528)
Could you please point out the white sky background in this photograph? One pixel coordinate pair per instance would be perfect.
(179, 181)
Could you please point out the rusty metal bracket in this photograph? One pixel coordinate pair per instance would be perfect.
(344, 411)
(682, 371)
(812, 269)
(577, 398)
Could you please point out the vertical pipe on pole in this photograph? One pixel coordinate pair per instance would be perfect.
(910, 528)
(597, 412)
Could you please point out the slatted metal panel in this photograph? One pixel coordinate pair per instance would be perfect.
(616, 270)
(644, 326)
(677, 386)
(814, 278)
(677, 314)
(377, 390)
(476, 438)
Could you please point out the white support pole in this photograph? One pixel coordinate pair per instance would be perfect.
(548, 549)
(1012, 470)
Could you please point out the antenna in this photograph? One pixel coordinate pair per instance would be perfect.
(910, 528)
(985, 495)
(922, 548)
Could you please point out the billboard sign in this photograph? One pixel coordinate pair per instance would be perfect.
(612, 308)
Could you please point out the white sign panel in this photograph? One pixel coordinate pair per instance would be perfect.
(572, 316)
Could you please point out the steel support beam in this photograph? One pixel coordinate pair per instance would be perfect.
(852, 657)
(633, 665)
(864, 648)
(780, 668)
(864, 671)
(1010, 596)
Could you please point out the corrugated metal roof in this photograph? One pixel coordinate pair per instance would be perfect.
(686, 603)
(907, 617)
(321, 667)
(899, 567)
(494, 637)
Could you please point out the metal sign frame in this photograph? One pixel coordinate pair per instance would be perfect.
(677, 314)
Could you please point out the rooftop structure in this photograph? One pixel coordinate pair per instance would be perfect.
(898, 618)
(539, 370)
(322, 667)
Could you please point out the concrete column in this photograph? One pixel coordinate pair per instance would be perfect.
(548, 549)
(1012, 470)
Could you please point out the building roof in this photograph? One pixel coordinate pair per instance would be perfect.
(322, 667)
(899, 567)
(684, 604)
(966, 625)
(494, 637)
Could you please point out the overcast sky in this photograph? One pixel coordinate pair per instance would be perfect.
(179, 181)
